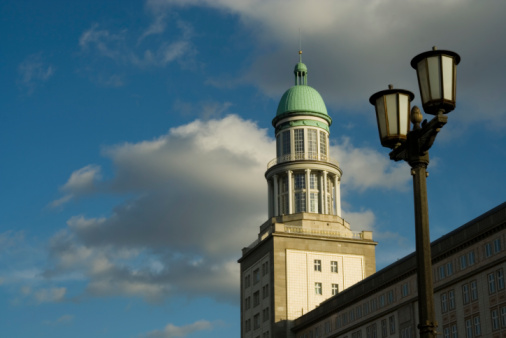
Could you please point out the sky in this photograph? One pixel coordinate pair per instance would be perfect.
(134, 138)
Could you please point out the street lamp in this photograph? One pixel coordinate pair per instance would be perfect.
(436, 71)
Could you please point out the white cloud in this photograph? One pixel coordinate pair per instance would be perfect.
(65, 319)
(34, 71)
(172, 331)
(45, 295)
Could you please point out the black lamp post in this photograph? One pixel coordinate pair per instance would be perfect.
(436, 70)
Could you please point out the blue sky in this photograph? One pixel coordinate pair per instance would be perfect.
(134, 137)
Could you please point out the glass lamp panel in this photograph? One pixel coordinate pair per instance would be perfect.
(381, 115)
(434, 77)
(447, 78)
(403, 114)
(392, 114)
(423, 81)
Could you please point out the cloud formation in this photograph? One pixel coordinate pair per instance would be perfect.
(197, 194)
(33, 71)
(172, 331)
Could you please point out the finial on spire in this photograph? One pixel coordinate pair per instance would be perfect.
(300, 47)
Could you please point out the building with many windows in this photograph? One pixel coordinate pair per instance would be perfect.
(469, 291)
(305, 252)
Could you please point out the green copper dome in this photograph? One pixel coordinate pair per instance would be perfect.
(301, 98)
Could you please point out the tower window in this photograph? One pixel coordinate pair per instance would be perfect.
(286, 148)
(317, 265)
(312, 144)
(323, 146)
(318, 288)
(299, 143)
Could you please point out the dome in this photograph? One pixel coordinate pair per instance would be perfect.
(301, 98)
(300, 67)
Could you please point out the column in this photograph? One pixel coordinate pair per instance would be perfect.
(270, 207)
(290, 192)
(338, 195)
(325, 204)
(276, 195)
(308, 194)
(322, 199)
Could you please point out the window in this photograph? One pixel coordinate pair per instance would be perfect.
(317, 265)
(300, 194)
(469, 329)
(335, 289)
(465, 293)
(247, 325)
(371, 331)
(333, 266)
(265, 291)
(491, 283)
(265, 268)
(256, 276)
(488, 250)
(247, 281)
(454, 331)
(366, 308)
(441, 272)
(286, 149)
(451, 300)
(495, 319)
(265, 334)
(391, 324)
(247, 303)
(351, 315)
(384, 329)
(474, 290)
(256, 321)
(405, 290)
(497, 245)
(471, 258)
(327, 327)
(299, 143)
(358, 311)
(382, 300)
(312, 144)
(256, 298)
(500, 279)
(463, 262)
(406, 332)
(390, 297)
(318, 288)
(444, 303)
(374, 304)
(446, 332)
(477, 326)
(323, 145)
(503, 317)
(449, 269)
(265, 314)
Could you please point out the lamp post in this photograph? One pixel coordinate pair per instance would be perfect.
(436, 70)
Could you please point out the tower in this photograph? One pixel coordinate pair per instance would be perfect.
(305, 252)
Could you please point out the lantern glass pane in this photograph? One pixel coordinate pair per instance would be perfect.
(434, 77)
(391, 107)
(404, 114)
(448, 78)
(380, 114)
(423, 81)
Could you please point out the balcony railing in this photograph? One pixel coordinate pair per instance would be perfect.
(326, 233)
(299, 157)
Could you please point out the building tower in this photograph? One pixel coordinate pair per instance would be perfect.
(305, 252)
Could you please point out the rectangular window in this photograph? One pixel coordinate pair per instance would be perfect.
(256, 276)
(405, 290)
(441, 272)
(313, 202)
(265, 268)
(299, 143)
(491, 283)
(463, 262)
(366, 308)
(318, 288)
(391, 324)
(374, 304)
(465, 293)
(247, 281)
(495, 320)
(471, 258)
(474, 290)
(477, 326)
(287, 144)
(446, 332)
(497, 245)
(390, 297)
(265, 314)
(469, 328)
(256, 298)
(454, 331)
(335, 289)
(265, 291)
(503, 317)
(278, 145)
(247, 303)
(300, 202)
(312, 144)
(449, 269)
(500, 279)
(317, 265)
(333, 266)
(313, 184)
(382, 300)
(444, 303)
(256, 321)
(247, 325)
(384, 329)
(488, 250)
(358, 311)
(323, 146)
(451, 300)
